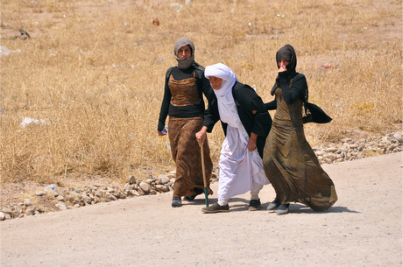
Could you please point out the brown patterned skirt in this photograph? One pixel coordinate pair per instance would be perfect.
(294, 170)
(186, 154)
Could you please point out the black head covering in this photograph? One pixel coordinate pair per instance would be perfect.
(287, 52)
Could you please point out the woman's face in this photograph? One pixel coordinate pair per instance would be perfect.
(215, 82)
(185, 52)
(283, 63)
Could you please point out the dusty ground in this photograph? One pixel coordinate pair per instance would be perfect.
(364, 228)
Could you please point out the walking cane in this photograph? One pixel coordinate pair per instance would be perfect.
(204, 175)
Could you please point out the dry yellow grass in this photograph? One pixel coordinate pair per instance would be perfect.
(94, 71)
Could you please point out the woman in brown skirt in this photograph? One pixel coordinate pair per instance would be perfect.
(185, 85)
(289, 161)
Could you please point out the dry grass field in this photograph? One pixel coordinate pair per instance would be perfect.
(93, 71)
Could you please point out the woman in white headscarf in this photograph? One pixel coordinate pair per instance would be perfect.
(246, 124)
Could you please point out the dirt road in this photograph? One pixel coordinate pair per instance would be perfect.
(364, 228)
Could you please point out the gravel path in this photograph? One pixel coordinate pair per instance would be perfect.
(364, 228)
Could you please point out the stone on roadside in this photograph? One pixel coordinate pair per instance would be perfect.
(61, 206)
(398, 137)
(145, 187)
(100, 186)
(2, 216)
(75, 189)
(111, 197)
(40, 193)
(162, 188)
(150, 179)
(60, 198)
(87, 200)
(164, 179)
(27, 202)
(133, 193)
(30, 211)
(128, 187)
(352, 146)
(331, 149)
(131, 179)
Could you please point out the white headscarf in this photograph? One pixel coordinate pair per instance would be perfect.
(226, 104)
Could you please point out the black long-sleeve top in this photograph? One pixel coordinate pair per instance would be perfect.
(290, 95)
(246, 100)
(203, 87)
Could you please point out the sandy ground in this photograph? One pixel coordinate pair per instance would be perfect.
(364, 228)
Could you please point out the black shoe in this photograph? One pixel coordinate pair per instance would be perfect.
(282, 209)
(273, 205)
(190, 198)
(216, 208)
(255, 204)
(176, 202)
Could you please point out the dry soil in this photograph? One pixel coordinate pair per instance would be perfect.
(364, 228)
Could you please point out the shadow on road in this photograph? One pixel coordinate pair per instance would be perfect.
(298, 208)
(237, 207)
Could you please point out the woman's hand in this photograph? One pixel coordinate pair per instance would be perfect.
(282, 65)
(252, 142)
(282, 69)
(201, 135)
(161, 133)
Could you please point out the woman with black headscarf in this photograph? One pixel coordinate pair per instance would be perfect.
(185, 85)
(289, 161)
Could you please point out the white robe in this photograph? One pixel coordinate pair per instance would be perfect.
(239, 167)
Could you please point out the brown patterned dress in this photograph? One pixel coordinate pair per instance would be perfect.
(290, 163)
(184, 146)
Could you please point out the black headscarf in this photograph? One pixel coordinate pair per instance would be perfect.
(287, 52)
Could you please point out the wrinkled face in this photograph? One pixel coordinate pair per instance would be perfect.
(185, 52)
(215, 82)
(283, 63)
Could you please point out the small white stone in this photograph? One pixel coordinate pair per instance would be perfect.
(352, 146)
(319, 153)
(162, 188)
(164, 179)
(27, 202)
(398, 137)
(329, 156)
(87, 200)
(331, 149)
(61, 206)
(30, 211)
(145, 187)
